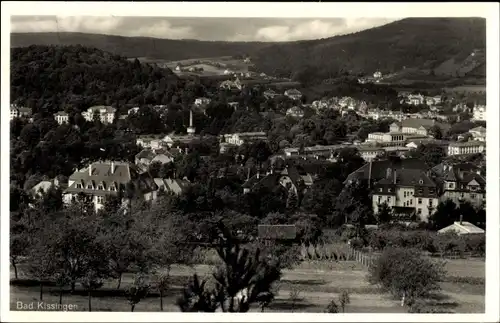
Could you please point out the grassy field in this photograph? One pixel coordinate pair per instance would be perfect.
(316, 282)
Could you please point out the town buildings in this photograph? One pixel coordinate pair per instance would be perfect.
(239, 139)
(479, 113)
(201, 102)
(466, 148)
(478, 133)
(293, 94)
(408, 192)
(61, 117)
(19, 112)
(295, 112)
(105, 113)
(461, 182)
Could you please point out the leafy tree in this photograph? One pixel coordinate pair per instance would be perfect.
(446, 213)
(292, 201)
(92, 280)
(406, 274)
(138, 291)
(432, 154)
(436, 132)
(384, 214)
(332, 307)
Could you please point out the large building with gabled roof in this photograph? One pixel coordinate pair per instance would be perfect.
(104, 179)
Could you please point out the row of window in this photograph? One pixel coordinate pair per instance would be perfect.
(100, 187)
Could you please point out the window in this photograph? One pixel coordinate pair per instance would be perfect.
(100, 199)
(404, 193)
(419, 200)
(379, 199)
(100, 187)
(78, 185)
(390, 190)
(473, 196)
(450, 185)
(89, 186)
(388, 200)
(113, 188)
(430, 202)
(462, 195)
(419, 211)
(420, 181)
(380, 189)
(420, 191)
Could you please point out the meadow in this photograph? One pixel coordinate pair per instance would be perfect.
(308, 287)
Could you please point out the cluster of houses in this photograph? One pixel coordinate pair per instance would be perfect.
(412, 190)
(419, 99)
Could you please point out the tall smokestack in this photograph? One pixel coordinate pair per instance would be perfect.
(190, 118)
(112, 167)
(90, 170)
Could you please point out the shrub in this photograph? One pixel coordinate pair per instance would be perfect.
(405, 273)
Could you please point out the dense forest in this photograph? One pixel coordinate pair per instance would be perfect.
(48, 78)
(440, 45)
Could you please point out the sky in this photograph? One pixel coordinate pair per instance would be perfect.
(211, 29)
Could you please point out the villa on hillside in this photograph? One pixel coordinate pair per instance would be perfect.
(19, 112)
(106, 113)
(61, 117)
(103, 179)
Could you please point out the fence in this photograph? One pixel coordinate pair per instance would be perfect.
(335, 252)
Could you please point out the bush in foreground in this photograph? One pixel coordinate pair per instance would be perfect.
(406, 274)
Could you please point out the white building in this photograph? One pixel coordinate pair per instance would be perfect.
(479, 113)
(61, 117)
(293, 94)
(466, 148)
(133, 110)
(407, 191)
(102, 180)
(295, 112)
(150, 142)
(239, 139)
(19, 112)
(201, 101)
(106, 113)
(462, 228)
(478, 133)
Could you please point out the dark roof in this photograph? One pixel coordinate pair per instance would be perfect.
(146, 153)
(379, 168)
(408, 177)
(426, 123)
(123, 174)
(277, 232)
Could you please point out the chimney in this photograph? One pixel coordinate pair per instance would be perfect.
(112, 167)
(461, 219)
(90, 170)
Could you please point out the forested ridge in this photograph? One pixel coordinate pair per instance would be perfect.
(421, 43)
(50, 78)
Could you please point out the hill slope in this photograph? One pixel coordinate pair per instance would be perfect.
(425, 43)
(52, 78)
(167, 49)
(440, 44)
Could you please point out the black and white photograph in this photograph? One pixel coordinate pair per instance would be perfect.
(258, 162)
